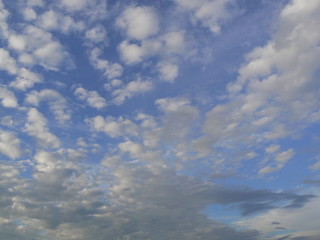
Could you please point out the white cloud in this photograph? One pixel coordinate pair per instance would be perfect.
(4, 28)
(174, 42)
(112, 84)
(276, 88)
(42, 49)
(29, 14)
(113, 127)
(36, 126)
(8, 99)
(50, 55)
(110, 70)
(8, 171)
(57, 103)
(131, 89)
(92, 98)
(7, 63)
(210, 13)
(97, 34)
(139, 22)
(131, 53)
(280, 159)
(272, 148)
(6, 121)
(17, 42)
(166, 46)
(25, 79)
(9, 144)
(52, 20)
(168, 72)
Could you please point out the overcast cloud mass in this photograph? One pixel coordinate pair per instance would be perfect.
(159, 120)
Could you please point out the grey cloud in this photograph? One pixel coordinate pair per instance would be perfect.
(66, 200)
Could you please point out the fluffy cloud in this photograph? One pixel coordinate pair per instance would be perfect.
(92, 98)
(7, 63)
(25, 79)
(131, 89)
(57, 103)
(113, 127)
(258, 110)
(168, 72)
(8, 99)
(40, 48)
(139, 22)
(110, 70)
(36, 126)
(131, 53)
(52, 20)
(9, 144)
(168, 45)
(97, 34)
(16, 42)
(164, 165)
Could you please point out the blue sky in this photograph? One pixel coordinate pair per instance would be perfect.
(152, 120)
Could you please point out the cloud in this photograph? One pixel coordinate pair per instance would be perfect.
(113, 127)
(40, 48)
(131, 53)
(92, 98)
(299, 222)
(8, 99)
(271, 95)
(7, 63)
(131, 89)
(109, 69)
(16, 42)
(98, 34)
(10, 144)
(57, 103)
(316, 165)
(139, 22)
(209, 13)
(25, 79)
(52, 20)
(168, 72)
(166, 46)
(280, 159)
(50, 55)
(171, 166)
(36, 126)
(4, 28)
(29, 14)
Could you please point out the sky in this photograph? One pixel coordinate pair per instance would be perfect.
(159, 120)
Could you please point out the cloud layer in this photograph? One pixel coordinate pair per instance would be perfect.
(159, 120)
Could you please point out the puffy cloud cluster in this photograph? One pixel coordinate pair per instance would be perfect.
(92, 98)
(56, 102)
(139, 22)
(36, 126)
(9, 144)
(8, 99)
